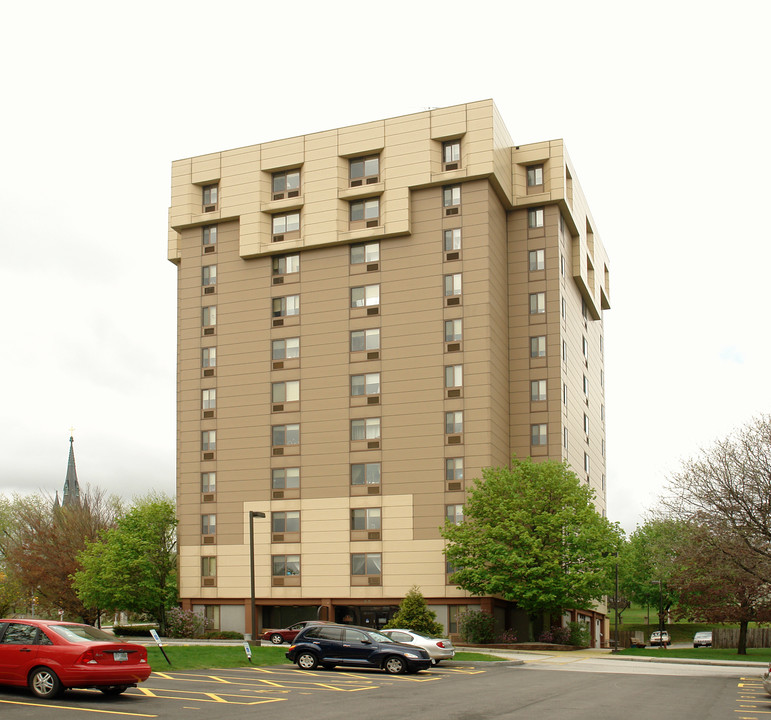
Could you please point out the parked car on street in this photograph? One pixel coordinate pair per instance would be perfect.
(50, 656)
(703, 639)
(329, 645)
(660, 638)
(438, 648)
(767, 680)
(287, 634)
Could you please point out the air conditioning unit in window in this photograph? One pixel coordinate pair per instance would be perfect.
(208, 413)
(372, 223)
(372, 267)
(278, 494)
(454, 486)
(278, 408)
(277, 238)
(455, 393)
(450, 211)
(207, 497)
(373, 311)
(373, 444)
(208, 372)
(210, 248)
(208, 456)
(373, 535)
(278, 196)
(453, 347)
(373, 490)
(293, 193)
(374, 400)
(278, 537)
(278, 323)
(278, 451)
(451, 166)
(208, 582)
(453, 439)
(207, 539)
(373, 581)
(278, 281)
(356, 183)
(208, 331)
(452, 301)
(209, 290)
(374, 355)
(278, 364)
(373, 180)
(452, 256)
(278, 581)
(209, 208)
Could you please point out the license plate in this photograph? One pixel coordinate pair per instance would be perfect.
(120, 656)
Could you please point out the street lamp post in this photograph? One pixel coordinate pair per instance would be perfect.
(252, 514)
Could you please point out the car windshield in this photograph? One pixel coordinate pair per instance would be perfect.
(81, 633)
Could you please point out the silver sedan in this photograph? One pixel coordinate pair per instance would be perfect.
(437, 648)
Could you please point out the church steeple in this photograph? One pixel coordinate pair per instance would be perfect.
(71, 493)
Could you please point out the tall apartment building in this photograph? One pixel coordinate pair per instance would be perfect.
(367, 317)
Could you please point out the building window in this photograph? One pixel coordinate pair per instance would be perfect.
(286, 348)
(586, 462)
(285, 434)
(538, 346)
(208, 482)
(452, 284)
(537, 390)
(208, 399)
(564, 309)
(454, 514)
(537, 260)
(284, 565)
(285, 478)
(285, 306)
(209, 316)
(365, 296)
(562, 265)
(366, 564)
(285, 522)
(364, 170)
(535, 218)
(210, 193)
(565, 438)
(538, 434)
(452, 239)
(208, 566)
(365, 340)
(209, 235)
(208, 357)
(535, 175)
(451, 196)
(365, 474)
(368, 384)
(585, 347)
(286, 264)
(286, 184)
(586, 424)
(453, 469)
(602, 378)
(365, 253)
(209, 440)
(365, 519)
(537, 303)
(365, 429)
(453, 330)
(365, 213)
(453, 376)
(586, 385)
(602, 413)
(284, 224)
(451, 155)
(565, 394)
(288, 391)
(564, 352)
(453, 422)
(209, 275)
(208, 524)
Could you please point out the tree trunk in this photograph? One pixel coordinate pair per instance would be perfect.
(743, 637)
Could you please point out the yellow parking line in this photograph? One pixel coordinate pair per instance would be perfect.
(216, 698)
(81, 709)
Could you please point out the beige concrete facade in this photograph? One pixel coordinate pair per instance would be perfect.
(315, 304)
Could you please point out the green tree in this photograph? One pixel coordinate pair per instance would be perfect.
(413, 614)
(532, 535)
(647, 562)
(134, 566)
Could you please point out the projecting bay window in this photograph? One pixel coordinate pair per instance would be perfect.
(364, 170)
(285, 184)
(285, 226)
(451, 155)
(535, 179)
(365, 524)
(285, 526)
(364, 214)
(285, 570)
(366, 569)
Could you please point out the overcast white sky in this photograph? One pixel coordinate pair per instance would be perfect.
(663, 105)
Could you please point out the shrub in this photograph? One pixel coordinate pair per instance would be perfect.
(413, 614)
(555, 634)
(223, 635)
(476, 626)
(185, 623)
(507, 637)
(134, 630)
(578, 634)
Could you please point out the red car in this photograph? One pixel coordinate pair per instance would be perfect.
(50, 656)
(288, 634)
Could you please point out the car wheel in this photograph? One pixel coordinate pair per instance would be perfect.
(394, 665)
(45, 684)
(114, 689)
(276, 639)
(307, 661)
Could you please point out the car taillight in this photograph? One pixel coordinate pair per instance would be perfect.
(440, 644)
(87, 658)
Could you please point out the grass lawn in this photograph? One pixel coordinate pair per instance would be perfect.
(761, 655)
(201, 657)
